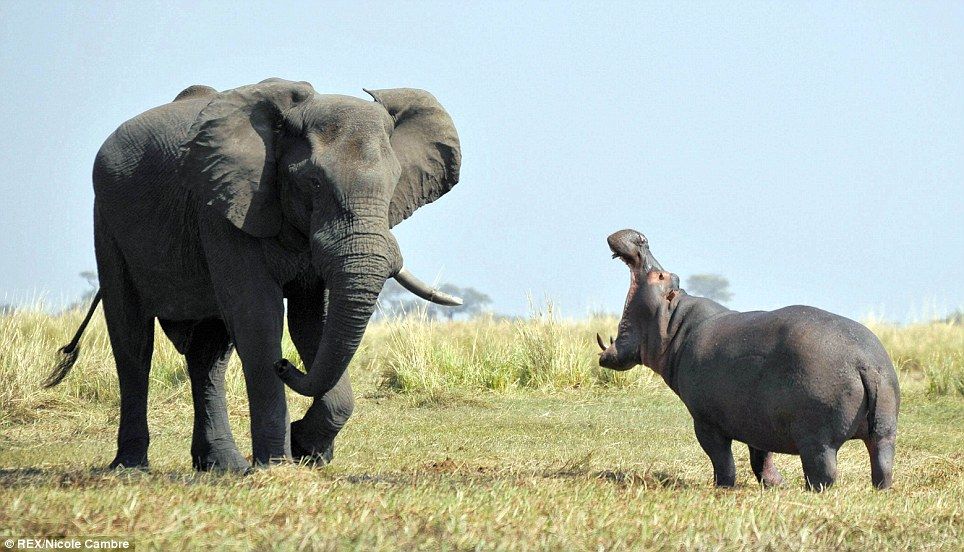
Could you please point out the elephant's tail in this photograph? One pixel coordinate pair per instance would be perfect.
(70, 352)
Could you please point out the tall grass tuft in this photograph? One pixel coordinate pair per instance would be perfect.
(541, 352)
(413, 355)
(933, 353)
(29, 344)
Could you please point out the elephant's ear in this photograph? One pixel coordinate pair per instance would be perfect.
(426, 145)
(230, 159)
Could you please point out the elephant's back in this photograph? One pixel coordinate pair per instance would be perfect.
(144, 150)
(149, 216)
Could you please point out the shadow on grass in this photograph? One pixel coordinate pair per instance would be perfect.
(432, 472)
(81, 478)
(579, 468)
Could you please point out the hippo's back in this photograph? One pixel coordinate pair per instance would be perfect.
(816, 336)
(805, 334)
(764, 375)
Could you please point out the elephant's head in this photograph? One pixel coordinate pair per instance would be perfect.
(646, 313)
(279, 160)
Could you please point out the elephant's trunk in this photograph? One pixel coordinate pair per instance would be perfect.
(354, 278)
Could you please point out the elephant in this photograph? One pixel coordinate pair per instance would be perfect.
(214, 209)
(797, 380)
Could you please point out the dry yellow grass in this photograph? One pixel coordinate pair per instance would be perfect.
(473, 435)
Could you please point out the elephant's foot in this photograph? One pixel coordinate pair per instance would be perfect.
(320, 454)
(227, 460)
(317, 459)
(136, 462)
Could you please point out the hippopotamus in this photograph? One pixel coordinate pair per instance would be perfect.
(796, 380)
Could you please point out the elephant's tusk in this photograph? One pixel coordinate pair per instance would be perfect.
(599, 340)
(423, 290)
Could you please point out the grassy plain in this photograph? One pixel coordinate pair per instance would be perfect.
(469, 435)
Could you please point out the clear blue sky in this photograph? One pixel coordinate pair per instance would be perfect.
(810, 152)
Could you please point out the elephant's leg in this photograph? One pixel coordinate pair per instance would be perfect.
(719, 448)
(132, 341)
(252, 306)
(256, 325)
(131, 333)
(313, 436)
(819, 465)
(763, 468)
(212, 446)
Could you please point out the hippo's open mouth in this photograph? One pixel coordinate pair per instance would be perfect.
(626, 245)
(632, 248)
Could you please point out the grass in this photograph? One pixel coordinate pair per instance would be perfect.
(486, 434)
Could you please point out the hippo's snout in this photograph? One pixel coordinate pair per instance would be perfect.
(614, 357)
(633, 248)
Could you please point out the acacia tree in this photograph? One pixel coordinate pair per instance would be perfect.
(396, 301)
(711, 286)
(85, 299)
(473, 302)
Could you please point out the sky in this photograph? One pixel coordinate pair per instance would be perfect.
(811, 153)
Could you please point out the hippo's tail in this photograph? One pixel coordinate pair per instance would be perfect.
(70, 351)
(871, 382)
(883, 401)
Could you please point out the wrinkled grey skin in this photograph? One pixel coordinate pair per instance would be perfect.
(212, 209)
(797, 380)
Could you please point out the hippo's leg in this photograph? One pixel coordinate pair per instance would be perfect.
(881, 451)
(819, 465)
(763, 468)
(718, 447)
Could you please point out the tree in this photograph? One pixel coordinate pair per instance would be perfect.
(396, 301)
(956, 317)
(88, 296)
(472, 305)
(91, 277)
(711, 286)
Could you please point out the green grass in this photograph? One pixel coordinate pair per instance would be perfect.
(472, 435)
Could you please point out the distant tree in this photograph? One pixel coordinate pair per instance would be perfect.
(711, 286)
(473, 302)
(91, 277)
(85, 299)
(956, 317)
(7, 309)
(396, 301)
